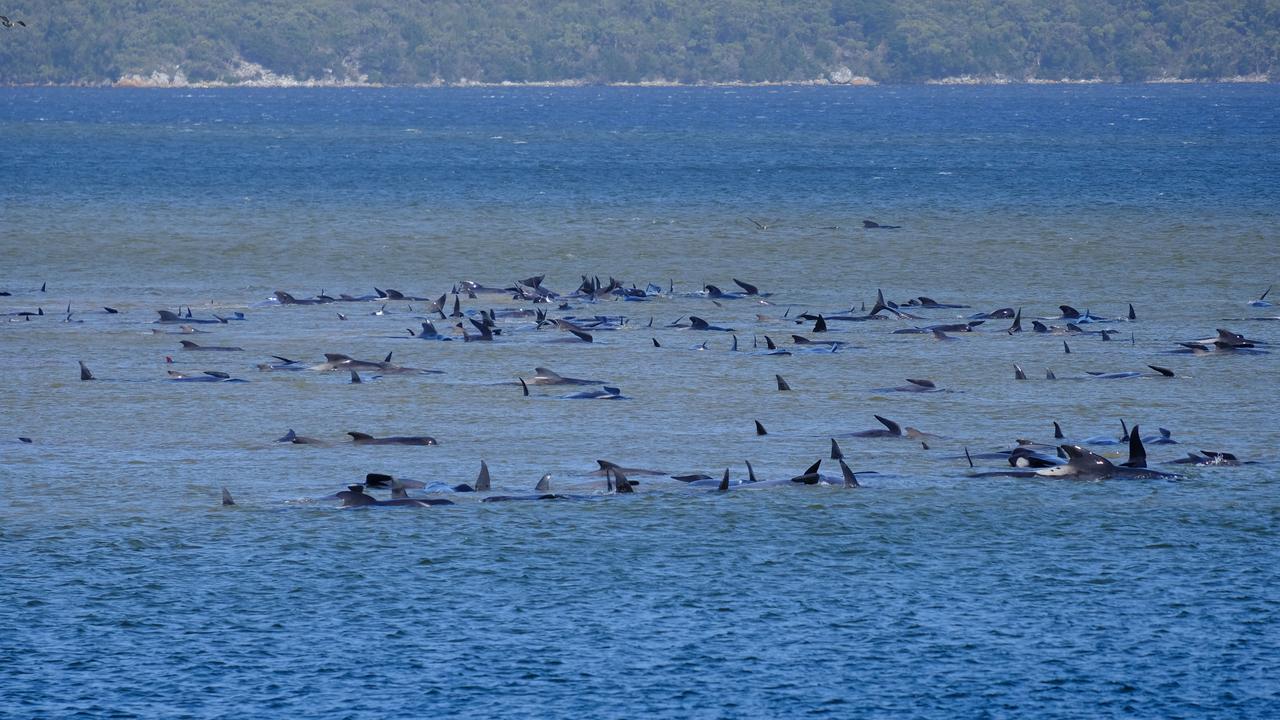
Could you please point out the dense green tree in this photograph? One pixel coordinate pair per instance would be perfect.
(424, 41)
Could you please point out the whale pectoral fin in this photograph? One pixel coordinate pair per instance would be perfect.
(621, 483)
(226, 498)
(850, 480)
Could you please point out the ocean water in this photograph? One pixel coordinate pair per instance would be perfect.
(129, 591)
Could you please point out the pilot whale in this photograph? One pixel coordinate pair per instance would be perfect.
(355, 496)
(1084, 465)
(365, 439)
(547, 376)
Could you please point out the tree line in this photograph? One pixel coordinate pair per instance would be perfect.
(693, 41)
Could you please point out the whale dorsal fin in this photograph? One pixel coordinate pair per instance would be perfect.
(1166, 372)
(698, 323)
(820, 325)
(226, 498)
(922, 383)
(357, 436)
(355, 378)
(1137, 453)
(751, 473)
(1069, 312)
(547, 373)
(336, 357)
(85, 373)
(760, 429)
(880, 304)
(724, 481)
(782, 384)
(893, 426)
(544, 484)
(188, 345)
(768, 343)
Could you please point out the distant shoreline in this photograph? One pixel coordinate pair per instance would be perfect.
(150, 84)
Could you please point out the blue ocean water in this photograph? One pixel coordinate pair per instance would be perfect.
(129, 591)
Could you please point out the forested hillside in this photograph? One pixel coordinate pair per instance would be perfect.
(431, 41)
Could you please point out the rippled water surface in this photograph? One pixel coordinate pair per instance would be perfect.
(129, 591)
